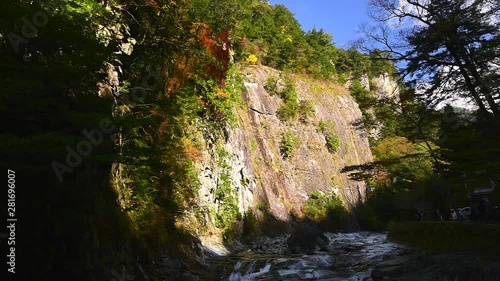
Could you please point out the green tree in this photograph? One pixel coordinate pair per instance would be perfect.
(49, 99)
(322, 53)
(449, 44)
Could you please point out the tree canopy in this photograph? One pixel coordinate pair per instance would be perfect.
(451, 46)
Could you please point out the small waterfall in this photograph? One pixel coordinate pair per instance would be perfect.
(249, 275)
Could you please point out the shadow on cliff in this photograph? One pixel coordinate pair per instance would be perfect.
(75, 230)
(264, 223)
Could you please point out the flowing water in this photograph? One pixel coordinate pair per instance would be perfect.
(351, 257)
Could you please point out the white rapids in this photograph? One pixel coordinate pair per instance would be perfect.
(352, 258)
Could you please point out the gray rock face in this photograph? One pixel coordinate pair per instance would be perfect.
(266, 245)
(260, 175)
(385, 87)
(241, 173)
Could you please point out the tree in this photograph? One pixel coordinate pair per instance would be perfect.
(447, 49)
(469, 148)
(50, 103)
(322, 53)
(451, 45)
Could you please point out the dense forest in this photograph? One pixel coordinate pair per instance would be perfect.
(112, 97)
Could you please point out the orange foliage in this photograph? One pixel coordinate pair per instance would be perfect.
(201, 101)
(154, 4)
(218, 46)
(218, 93)
(189, 149)
(184, 67)
(163, 125)
(214, 63)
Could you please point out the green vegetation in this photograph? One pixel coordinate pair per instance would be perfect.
(250, 224)
(427, 158)
(156, 89)
(271, 84)
(306, 110)
(253, 145)
(288, 143)
(272, 34)
(366, 102)
(326, 209)
(448, 237)
(328, 130)
(289, 110)
(114, 101)
(368, 219)
(333, 143)
(227, 213)
(381, 64)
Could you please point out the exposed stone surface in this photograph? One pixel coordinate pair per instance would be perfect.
(305, 239)
(358, 256)
(385, 87)
(259, 172)
(339, 265)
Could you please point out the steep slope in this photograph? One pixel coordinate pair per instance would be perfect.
(260, 174)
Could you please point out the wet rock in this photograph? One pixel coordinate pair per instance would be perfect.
(266, 245)
(304, 239)
(369, 249)
(390, 268)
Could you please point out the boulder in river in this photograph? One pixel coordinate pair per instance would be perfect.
(304, 239)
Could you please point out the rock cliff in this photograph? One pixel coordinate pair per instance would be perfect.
(260, 175)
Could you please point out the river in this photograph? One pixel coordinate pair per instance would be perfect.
(351, 257)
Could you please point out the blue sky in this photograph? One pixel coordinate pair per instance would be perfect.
(341, 18)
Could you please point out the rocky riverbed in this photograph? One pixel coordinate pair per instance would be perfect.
(361, 256)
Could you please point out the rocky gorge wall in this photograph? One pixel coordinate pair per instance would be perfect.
(260, 175)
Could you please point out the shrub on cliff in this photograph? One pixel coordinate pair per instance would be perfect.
(290, 108)
(288, 143)
(271, 86)
(328, 130)
(325, 209)
(305, 110)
